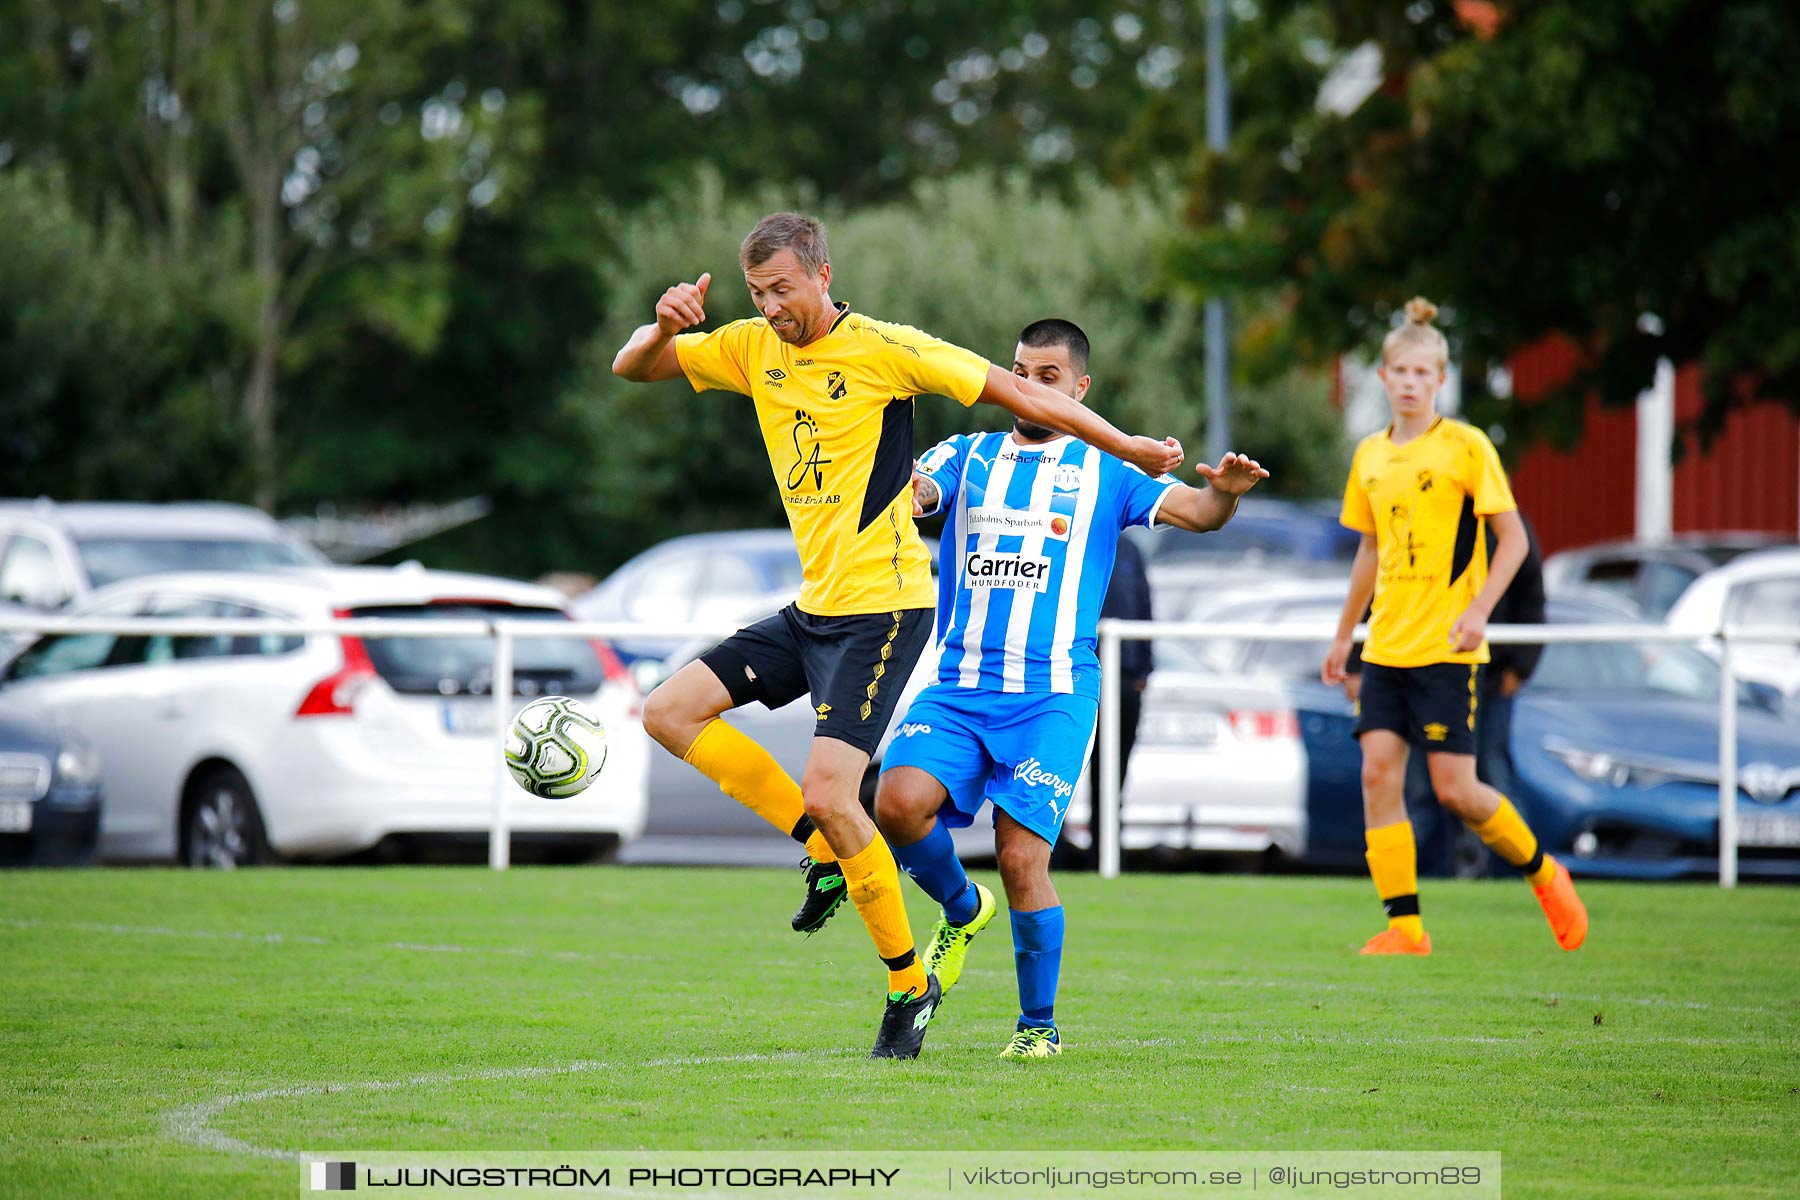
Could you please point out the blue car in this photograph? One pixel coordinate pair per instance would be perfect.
(49, 796)
(1615, 747)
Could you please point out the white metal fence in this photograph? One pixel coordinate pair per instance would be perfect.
(505, 633)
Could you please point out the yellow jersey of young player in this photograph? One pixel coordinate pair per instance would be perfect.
(837, 420)
(1424, 502)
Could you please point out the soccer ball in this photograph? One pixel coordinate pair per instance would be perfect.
(556, 747)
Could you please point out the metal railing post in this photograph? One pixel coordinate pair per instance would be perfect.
(500, 834)
(1728, 772)
(1106, 822)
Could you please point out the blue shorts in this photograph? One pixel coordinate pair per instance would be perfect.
(1023, 751)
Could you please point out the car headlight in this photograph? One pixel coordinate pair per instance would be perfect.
(1600, 766)
(78, 763)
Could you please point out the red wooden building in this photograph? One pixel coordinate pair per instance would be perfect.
(1748, 480)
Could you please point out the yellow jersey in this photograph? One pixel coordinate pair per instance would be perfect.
(1424, 502)
(837, 421)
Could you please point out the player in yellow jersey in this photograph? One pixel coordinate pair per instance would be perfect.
(1418, 493)
(834, 392)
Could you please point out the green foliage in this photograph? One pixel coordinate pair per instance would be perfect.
(971, 259)
(384, 215)
(98, 348)
(1619, 171)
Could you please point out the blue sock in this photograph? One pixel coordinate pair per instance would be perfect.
(1037, 957)
(933, 864)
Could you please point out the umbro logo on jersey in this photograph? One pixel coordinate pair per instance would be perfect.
(1435, 732)
(822, 710)
(776, 373)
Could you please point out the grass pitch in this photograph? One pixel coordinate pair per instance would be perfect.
(168, 1033)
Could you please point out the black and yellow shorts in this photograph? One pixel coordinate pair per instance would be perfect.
(854, 666)
(1433, 707)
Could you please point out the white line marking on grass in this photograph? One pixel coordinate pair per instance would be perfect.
(192, 1123)
(278, 939)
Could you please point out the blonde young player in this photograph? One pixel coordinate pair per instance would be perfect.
(834, 395)
(1418, 493)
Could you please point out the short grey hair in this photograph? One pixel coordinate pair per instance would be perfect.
(786, 231)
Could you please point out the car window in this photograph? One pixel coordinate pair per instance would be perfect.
(1663, 584)
(1670, 670)
(665, 589)
(452, 666)
(1294, 659)
(1618, 574)
(28, 574)
(1765, 602)
(115, 558)
(64, 653)
(213, 645)
(727, 587)
(260, 643)
(1212, 655)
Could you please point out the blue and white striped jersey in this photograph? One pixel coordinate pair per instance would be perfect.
(1025, 556)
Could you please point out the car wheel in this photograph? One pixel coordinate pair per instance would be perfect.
(221, 825)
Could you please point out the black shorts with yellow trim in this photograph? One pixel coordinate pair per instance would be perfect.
(854, 667)
(1433, 707)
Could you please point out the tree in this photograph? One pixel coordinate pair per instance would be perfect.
(285, 148)
(96, 334)
(1619, 171)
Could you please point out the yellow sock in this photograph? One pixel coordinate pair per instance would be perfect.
(873, 880)
(1508, 836)
(746, 772)
(819, 848)
(1394, 866)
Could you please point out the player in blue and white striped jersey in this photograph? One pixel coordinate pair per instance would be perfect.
(1028, 545)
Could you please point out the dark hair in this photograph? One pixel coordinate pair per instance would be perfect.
(786, 231)
(1054, 331)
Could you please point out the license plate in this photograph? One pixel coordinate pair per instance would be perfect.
(1769, 829)
(15, 816)
(470, 718)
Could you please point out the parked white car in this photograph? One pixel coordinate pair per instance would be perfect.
(52, 553)
(1219, 766)
(1761, 589)
(226, 751)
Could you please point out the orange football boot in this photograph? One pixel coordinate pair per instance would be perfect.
(1566, 913)
(1392, 941)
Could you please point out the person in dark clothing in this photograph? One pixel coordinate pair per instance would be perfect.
(1128, 599)
(1508, 668)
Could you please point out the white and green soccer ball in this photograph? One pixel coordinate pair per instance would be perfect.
(556, 747)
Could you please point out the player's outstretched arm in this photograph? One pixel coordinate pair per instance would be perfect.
(649, 355)
(1202, 510)
(1362, 589)
(1053, 410)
